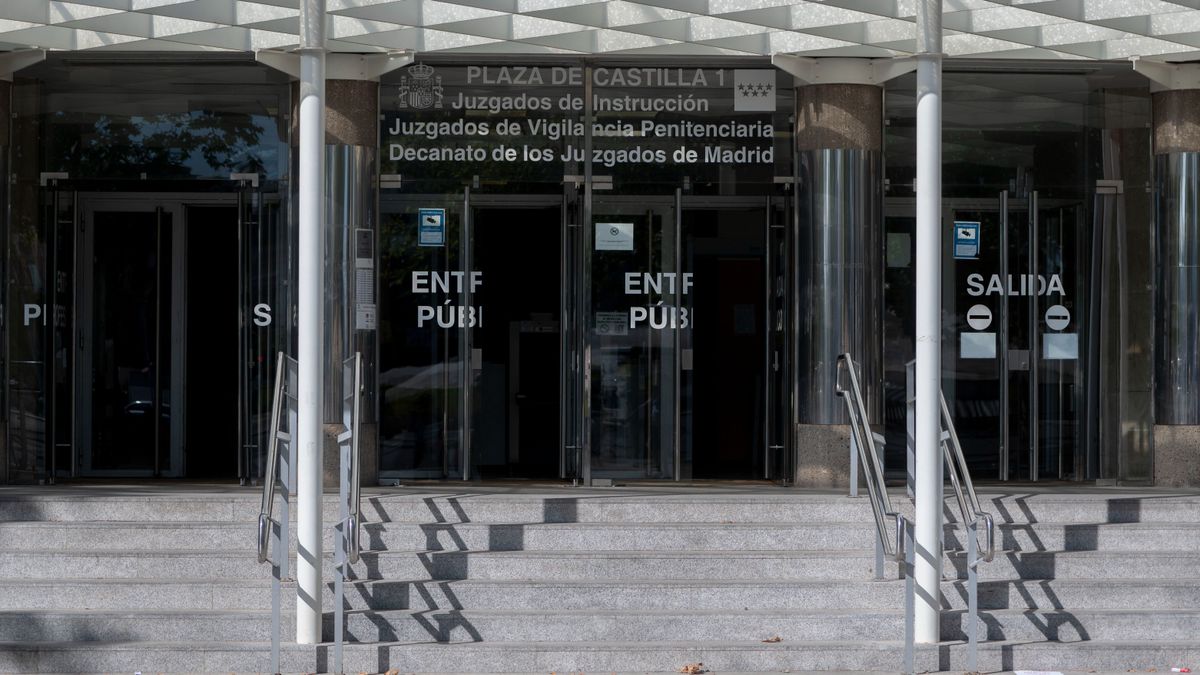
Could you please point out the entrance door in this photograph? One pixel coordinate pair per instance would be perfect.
(683, 314)
(470, 362)
(725, 249)
(640, 339)
(129, 287)
(1015, 384)
(515, 250)
(157, 288)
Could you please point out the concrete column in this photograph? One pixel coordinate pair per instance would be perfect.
(1177, 336)
(928, 485)
(310, 352)
(839, 143)
(351, 146)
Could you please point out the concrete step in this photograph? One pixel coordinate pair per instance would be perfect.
(1078, 594)
(80, 536)
(452, 565)
(605, 625)
(683, 537)
(1080, 565)
(613, 505)
(129, 536)
(618, 625)
(182, 507)
(1086, 507)
(647, 594)
(665, 657)
(182, 594)
(1097, 655)
(1023, 625)
(480, 657)
(1087, 537)
(139, 625)
(403, 505)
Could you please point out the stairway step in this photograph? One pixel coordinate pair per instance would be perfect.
(618, 625)
(1077, 594)
(481, 657)
(1086, 537)
(1077, 625)
(1080, 565)
(139, 626)
(1122, 656)
(563, 504)
(681, 537)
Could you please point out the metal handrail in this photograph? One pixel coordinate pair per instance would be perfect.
(267, 509)
(881, 505)
(355, 520)
(972, 517)
(349, 499)
(964, 488)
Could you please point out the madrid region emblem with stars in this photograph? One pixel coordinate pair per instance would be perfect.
(754, 91)
(420, 88)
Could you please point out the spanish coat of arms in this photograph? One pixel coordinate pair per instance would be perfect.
(420, 88)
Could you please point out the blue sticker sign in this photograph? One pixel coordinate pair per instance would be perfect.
(431, 227)
(966, 240)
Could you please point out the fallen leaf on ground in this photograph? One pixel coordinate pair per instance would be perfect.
(774, 638)
(692, 668)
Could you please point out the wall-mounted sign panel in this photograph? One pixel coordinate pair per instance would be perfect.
(966, 240)
(614, 236)
(431, 227)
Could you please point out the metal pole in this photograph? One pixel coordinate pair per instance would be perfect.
(929, 325)
(310, 322)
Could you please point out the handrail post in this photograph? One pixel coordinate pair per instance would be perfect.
(853, 465)
(272, 532)
(972, 598)
(910, 594)
(347, 539)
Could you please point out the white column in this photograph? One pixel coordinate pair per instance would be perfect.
(309, 436)
(928, 535)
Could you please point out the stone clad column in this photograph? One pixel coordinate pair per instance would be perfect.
(839, 131)
(1177, 338)
(838, 252)
(351, 149)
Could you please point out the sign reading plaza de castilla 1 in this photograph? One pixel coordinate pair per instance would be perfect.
(535, 115)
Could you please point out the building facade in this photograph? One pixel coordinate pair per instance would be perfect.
(599, 267)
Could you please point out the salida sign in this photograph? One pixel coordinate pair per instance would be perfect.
(1014, 285)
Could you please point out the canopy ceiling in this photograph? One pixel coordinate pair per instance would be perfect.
(1030, 29)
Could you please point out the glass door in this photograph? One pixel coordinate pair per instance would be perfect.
(514, 271)
(729, 344)
(638, 339)
(1014, 384)
(423, 357)
(472, 308)
(128, 293)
